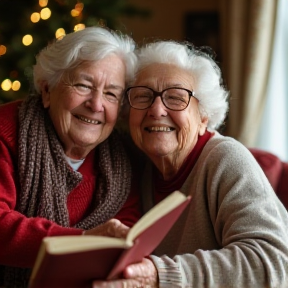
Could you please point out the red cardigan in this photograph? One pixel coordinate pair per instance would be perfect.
(21, 236)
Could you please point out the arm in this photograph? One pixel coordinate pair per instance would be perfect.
(20, 236)
(234, 235)
(241, 238)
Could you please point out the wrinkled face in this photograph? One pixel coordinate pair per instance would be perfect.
(161, 132)
(84, 107)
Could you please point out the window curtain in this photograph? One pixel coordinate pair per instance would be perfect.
(247, 33)
(273, 132)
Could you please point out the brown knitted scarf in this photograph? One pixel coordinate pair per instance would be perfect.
(46, 179)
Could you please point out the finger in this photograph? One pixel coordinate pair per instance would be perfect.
(117, 229)
(112, 228)
(120, 284)
(146, 268)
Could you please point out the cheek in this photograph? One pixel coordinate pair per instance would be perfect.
(111, 114)
(188, 134)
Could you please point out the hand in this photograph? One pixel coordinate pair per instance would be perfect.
(140, 275)
(112, 228)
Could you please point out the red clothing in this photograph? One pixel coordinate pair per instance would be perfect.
(20, 237)
(164, 188)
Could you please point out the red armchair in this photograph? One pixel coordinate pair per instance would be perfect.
(276, 172)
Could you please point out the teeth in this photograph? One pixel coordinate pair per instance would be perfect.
(89, 120)
(162, 129)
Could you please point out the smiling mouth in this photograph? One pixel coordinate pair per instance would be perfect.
(159, 129)
(86, 120)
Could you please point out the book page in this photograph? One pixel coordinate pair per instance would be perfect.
(67, 244)
(159, 210)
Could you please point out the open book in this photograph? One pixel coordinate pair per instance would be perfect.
(75, 261)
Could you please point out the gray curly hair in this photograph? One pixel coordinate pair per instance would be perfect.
(212, 96)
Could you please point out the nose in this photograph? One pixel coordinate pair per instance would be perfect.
(95, 102)
(157, 109)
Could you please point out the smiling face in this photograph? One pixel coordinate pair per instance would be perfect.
(166, 136)
(79, 105)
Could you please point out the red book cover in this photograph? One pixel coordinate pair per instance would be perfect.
(75, 261)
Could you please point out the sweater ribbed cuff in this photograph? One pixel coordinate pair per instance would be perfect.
(169, 272)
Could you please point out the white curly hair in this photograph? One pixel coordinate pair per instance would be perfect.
(207, 79)
(89, 44)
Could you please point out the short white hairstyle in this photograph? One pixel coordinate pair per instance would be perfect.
(89, 44)
(205, 74)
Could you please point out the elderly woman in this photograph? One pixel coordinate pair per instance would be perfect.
(60, 174)
(235, 231)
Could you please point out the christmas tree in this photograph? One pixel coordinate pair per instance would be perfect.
(28, 26)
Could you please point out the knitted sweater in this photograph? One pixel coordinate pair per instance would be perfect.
(235, 231)
(21, 236)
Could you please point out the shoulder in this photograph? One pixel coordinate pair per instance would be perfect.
(9, 112)
(230, 160)
(9, 121)
(223, 148)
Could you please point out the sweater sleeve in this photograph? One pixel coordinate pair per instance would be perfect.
(20, 236)
(242, 231)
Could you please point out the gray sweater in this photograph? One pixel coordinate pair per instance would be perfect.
(235, 231)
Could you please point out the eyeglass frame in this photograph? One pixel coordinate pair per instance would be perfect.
(160, 94)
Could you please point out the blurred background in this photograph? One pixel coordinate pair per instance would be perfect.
(249, 37)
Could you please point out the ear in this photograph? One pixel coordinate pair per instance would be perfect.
(202, 126)
(45, 95)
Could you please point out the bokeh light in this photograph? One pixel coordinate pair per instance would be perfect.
(79, 27)
(3, 50)
(27, 40)
(60, 33)
(43, 3)
(35, 17)
(16, 85)
(45, 13)
(75, 13)
(6, 85)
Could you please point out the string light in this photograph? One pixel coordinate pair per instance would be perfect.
(79, 27)
(3, 50)
(16, 85)
(6, 85)
(45, 13)
(35, 17)
(27, 40)
(60, 33)
(43, 3)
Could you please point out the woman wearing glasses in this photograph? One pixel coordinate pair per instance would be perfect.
(235, 231)
(60, 171)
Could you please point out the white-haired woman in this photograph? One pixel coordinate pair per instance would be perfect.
(235, 231)
(63, 169)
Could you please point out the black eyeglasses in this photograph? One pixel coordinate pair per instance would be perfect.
(173, 98)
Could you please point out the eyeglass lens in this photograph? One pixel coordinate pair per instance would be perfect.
(172, 98)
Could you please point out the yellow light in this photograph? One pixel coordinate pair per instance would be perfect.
(75, 13)
(16, 85)
(3, 50)
(79, 7)
(79, 26)
(6, 85)
(27, 40)
(43, 3)
(35, 17)
(60, 33)
(45, 13)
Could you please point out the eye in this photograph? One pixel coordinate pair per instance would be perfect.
(141, 95)
(175, 98)
(82, 88)
(112, 97)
